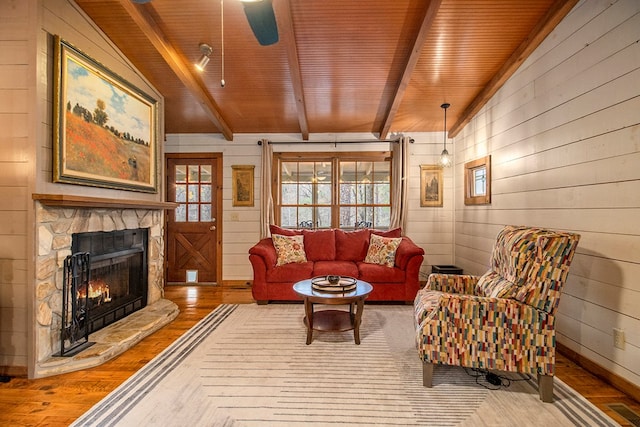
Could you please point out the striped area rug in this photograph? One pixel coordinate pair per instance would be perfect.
(248, 365)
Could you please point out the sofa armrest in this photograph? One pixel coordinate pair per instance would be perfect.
(407, 250)
(452, 283)
(265, 249)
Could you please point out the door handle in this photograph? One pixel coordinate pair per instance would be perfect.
(212, 228)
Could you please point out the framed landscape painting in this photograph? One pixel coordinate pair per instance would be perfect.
(105, 129)
(430, 185)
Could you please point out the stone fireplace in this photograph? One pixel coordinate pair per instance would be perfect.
(58, 221)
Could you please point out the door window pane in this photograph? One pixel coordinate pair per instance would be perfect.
(181, 193)
(205, 212)
(181, 213)
(193, 193)
(192, 212)
(194, 173)
(181, 173)
(205, 173)
(205, 193)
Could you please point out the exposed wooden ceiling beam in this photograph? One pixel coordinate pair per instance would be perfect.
(287, 36)
(549, 21)
(179, 66)
(421, 37)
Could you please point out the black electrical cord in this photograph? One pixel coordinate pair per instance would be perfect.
(491, 380)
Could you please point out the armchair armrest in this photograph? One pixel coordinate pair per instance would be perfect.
(453, 283)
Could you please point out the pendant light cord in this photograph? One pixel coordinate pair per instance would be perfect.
(222, 83)
(445, 106)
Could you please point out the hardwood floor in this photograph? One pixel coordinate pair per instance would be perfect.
(59, 400)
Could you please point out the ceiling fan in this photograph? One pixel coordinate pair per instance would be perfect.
(261, 17)
(262, 20)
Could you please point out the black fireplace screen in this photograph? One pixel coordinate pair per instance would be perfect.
(74, 335)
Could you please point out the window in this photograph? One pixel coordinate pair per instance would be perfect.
(329, 190)
(477, 182)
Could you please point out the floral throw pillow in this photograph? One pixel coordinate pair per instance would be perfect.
(289, 249)
(382, 250)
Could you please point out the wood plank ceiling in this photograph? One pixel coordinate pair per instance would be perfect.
(375, 66)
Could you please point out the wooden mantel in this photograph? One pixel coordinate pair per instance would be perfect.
(64, 200)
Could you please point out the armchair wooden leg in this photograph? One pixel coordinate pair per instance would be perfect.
(427, 374)
(545, 388)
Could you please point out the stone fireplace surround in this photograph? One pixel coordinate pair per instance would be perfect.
(57, 218)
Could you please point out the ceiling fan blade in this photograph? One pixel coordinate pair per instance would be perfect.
(262, 20)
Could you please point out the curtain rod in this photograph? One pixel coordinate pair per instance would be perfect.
(393, 141)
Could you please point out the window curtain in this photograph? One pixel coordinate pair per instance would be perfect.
(266, 198)
(399, 172)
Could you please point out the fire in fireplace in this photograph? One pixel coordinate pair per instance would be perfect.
(117, 284)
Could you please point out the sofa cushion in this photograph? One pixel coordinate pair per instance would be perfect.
(352, 245)
(290, 273)
(382, 250)
(396, 232)
(274, 229)
(375, 273)
(290, 249)
(320, 245)
(340, 268)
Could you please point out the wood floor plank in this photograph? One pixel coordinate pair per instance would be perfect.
(59, 400)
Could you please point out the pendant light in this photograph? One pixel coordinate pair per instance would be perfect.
(445, 158)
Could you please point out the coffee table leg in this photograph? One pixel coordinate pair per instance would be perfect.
(356, 322)
(308, 310)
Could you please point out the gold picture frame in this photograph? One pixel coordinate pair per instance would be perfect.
(105, 129)
(477, 182)
(431, 185)
(242, 185)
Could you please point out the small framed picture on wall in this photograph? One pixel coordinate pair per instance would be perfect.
(430, 185)
(242, 185)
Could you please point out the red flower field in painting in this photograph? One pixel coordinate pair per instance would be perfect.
(95, 151)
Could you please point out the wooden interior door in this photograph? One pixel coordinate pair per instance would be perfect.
(193, 231)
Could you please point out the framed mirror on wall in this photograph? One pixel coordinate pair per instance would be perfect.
(477, 181)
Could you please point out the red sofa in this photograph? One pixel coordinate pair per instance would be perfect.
(336, 252)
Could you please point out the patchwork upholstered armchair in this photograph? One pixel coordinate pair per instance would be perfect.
(505, 319)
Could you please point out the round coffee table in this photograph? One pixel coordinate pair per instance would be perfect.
(333, 320)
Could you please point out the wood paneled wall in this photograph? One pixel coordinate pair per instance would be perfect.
(17, 163)
(431, 228)
(564, 136)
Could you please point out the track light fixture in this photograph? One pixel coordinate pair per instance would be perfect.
(206, 51)
(445, 158)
